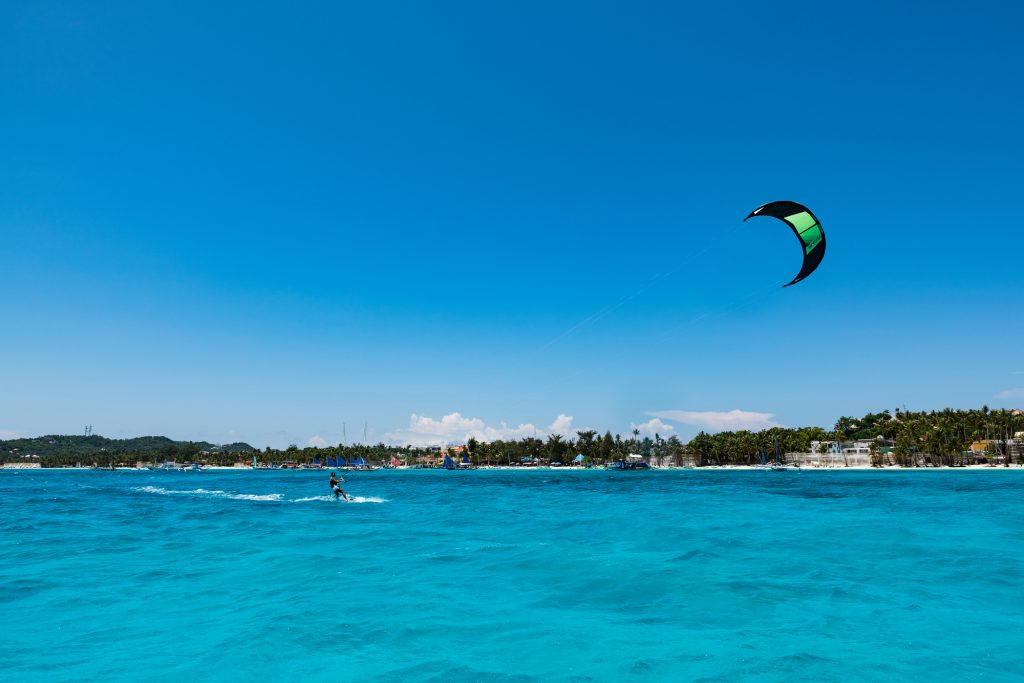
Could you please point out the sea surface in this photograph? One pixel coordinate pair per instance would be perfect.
(512, 576)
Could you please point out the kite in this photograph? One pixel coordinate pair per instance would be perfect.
(806, 228)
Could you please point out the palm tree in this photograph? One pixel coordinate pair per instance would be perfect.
(555, 447)
(585, 443)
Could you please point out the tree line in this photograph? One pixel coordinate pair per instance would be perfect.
(942, 438)
(67, 450)
(911, 439)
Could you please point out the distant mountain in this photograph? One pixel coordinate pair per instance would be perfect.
(84, 446)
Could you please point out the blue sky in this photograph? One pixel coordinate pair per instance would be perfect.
(264, 223)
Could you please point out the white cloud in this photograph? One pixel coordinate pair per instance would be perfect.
(9, 434)
(720, 421)
(1011, 393)
(454, 428)
(652, 427)
(562, 425)
(317, 441)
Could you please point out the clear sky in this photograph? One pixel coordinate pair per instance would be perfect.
(265, 221)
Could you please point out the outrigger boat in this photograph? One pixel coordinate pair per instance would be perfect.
(177, 467)
(633, 461)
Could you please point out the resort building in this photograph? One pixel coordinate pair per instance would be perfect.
(837, 457)
(848, 448)
(1015, 446)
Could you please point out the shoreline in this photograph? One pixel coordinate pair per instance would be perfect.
(709, 468)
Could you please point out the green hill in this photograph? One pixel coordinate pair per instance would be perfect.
(68, 448)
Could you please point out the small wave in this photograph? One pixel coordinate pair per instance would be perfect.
(206, 492)
(351, 499)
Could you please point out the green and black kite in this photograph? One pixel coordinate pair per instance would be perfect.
(806, 227)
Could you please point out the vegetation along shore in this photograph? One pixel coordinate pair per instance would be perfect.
(946, 438)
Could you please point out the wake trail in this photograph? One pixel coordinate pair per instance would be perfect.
(332, 499)
(209, 493)
(267, 497)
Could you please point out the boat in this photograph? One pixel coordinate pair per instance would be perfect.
(764, 466)
(633, 461)
(360, 464)
(256, 465)
(168, 466)
(778, 466)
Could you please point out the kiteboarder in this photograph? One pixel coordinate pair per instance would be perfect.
(336, 486)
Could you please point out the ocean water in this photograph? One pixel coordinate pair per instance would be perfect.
(512, 576)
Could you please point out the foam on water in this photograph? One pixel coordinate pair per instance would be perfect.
(159, 490)
(814, 576)
(204, 492)
(332, 499)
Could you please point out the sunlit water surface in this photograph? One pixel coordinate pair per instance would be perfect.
(521, 576)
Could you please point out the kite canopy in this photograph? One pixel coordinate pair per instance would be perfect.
(806, 227)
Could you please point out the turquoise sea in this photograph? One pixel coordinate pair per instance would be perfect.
(512, 576)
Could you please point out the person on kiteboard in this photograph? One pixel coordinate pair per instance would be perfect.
(336, 486)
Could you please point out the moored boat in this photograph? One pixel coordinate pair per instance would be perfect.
(633, 461)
